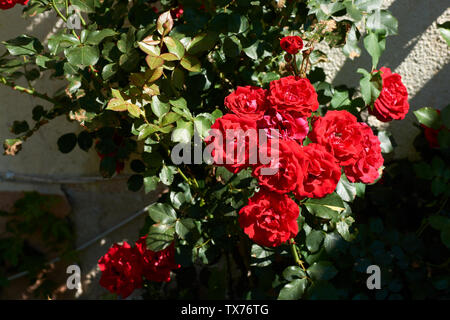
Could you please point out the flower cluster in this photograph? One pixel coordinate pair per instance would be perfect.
(124, 267)
(8, 4)
(283, 112)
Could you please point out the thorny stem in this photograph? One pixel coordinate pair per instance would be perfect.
(296, 256)
(29, 91)
(294, 62)
(184, 176)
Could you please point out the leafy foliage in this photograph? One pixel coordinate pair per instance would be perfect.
(139, 82)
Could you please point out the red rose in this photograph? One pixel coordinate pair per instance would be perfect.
(370, 159)
(341, 135)
(392, 103)
(121, 270)
(247, 102)
(269, 218)
(291, 44)
(287, 165)
(288, 125)
(8, 4)
(321, 173)
(157, 265)
(294, 94)
(231, 139)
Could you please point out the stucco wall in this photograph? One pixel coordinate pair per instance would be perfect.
(418, 53)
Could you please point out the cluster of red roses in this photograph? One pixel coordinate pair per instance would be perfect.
(313, 171)
(8, 4)
(124, 267)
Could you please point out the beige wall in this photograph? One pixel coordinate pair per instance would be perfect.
(418, 53)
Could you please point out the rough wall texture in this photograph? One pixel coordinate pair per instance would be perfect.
(418, 53)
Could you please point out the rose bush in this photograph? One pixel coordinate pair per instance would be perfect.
(143, 78)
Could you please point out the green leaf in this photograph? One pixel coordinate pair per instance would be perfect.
(444, 29)
(445, 237)
(184, 226)
(95, 37)
(179, 103)
(294, 290)
(160, 236)
(293, 272)
(150, 184)
(345, 189)
(382, 22)
(314, 240)
(178, 78)
(354, 13)
(133, 110)
(260, 256)
(169, 118)
(146, 130)
(202, 42)
(183, 133)
(373, 47)
(331, 242)
(167, 174)
(351, 48)
(177, 199)
(82, 56)
(149, 49)
(109, 70)
(429, 117)
(67, 142)
(439, 222)
(58, 41)
(202, 125)
(164, 24)
(23, 45)
(232, 46)
(159, 107)
(154, 62)
(322, 270)
(117, 105)
(340, 98)
(162, 213)
(385, 142)
(371, 84)
(328, 208)
(174, 46)
(191, 63)
(84, 5)
(343, 228)
(368, 5)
